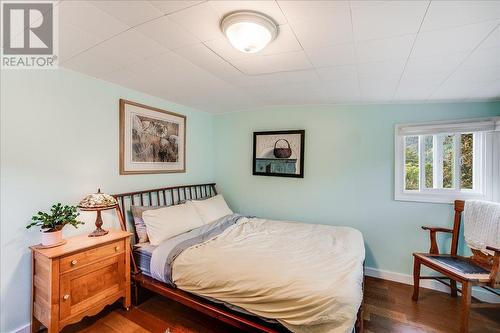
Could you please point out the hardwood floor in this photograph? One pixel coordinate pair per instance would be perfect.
(388, 308)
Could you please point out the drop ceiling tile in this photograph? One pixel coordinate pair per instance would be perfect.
(95, 40)
(346, 74)
(192, 86)
(383, 19)
(267, 7)
(371, 71)
(201, 20)
(448, 14)
(451, 93)
(431, 65)
(169, 65)
(460, 39)
(406, 93)
(309, 10)
(417, 87)
(342, 54)
(305, 76)
(203, 57)
(474, 75)
(167, 33)
(120, 51)
(341, 92)
(488, 57)
(130, 12)
(378, 89)
(465, 80)
(291, 94)
(90, 64)
(493, 40)
(292, 61)
(325, 26)
(89, 18)
(132, 78)
(73, 40)
(395, 48)
(489, 91)
(171, 6)
(285, 42)
(128, 47)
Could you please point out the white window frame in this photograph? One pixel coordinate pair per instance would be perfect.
(486, 161)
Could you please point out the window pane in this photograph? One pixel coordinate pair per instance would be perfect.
(448, 161)
(411, 163)
(466, 159)
(428, 153)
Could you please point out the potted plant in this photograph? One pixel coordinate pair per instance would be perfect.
(51, 224)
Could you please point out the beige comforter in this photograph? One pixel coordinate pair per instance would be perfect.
(306, 276)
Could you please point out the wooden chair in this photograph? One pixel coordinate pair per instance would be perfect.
(478, 270)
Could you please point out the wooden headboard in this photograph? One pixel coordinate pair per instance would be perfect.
(165, 196)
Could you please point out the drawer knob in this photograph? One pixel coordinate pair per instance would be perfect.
(66, 297)
(74, 262)
(117, 248)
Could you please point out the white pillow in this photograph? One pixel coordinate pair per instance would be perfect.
(212, 209)
(165, 223)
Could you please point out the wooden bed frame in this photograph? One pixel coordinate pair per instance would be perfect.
(168, 196)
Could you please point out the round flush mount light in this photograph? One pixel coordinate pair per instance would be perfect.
(249, 31)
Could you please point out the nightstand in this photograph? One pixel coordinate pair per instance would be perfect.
(79, 279)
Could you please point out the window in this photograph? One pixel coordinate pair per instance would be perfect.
(443, 161)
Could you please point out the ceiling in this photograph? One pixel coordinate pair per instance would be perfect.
(327, 52)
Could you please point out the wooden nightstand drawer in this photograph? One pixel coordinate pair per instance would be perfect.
(77, 260)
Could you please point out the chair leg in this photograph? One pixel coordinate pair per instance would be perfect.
(416, 278)
(464, 315)
(453, 287)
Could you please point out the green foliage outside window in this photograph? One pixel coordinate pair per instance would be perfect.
(428, 146)
(411, 163)
(448, 164)
(448, 161)
(466, 161)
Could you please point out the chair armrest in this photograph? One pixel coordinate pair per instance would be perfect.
(495, 267)
(434, 247)
(437, 229)
(491, 248)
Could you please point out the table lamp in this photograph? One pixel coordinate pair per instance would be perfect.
(98, 202)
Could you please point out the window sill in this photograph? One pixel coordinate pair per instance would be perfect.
(447, 198)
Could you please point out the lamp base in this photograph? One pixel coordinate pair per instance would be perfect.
(98, 232)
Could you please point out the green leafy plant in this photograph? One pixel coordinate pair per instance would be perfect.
(58, 217)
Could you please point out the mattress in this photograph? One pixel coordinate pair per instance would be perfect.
(142, 256)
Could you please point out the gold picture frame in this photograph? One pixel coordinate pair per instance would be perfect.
(152, 140)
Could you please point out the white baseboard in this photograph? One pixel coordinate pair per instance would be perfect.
(23, 329)
(478, 293)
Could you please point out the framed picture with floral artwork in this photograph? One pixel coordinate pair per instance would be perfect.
(152, 140)
(279, 153)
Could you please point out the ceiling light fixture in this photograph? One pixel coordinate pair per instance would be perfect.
(249, 31)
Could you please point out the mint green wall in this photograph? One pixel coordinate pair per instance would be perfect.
(59, 141)
(349, 172)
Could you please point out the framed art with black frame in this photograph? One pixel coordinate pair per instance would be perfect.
(279, 153)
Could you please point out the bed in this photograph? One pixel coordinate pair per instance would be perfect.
(252, 294)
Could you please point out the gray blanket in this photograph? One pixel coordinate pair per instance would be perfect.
(164, 255)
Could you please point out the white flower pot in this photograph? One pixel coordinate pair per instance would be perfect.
(51, 238)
